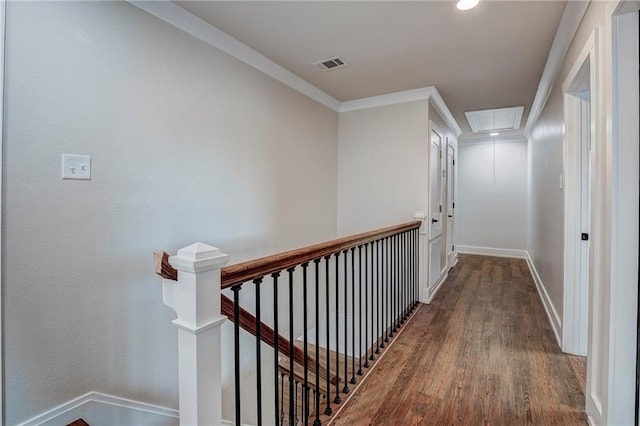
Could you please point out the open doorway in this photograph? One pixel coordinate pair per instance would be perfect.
(579, 89)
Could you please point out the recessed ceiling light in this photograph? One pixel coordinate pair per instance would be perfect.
(494, 134)
(467, 4)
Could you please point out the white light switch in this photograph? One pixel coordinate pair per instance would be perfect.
(76, 166)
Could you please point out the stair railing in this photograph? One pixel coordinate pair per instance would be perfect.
(372, 277)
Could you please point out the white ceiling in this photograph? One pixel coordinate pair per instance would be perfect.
(488, 57)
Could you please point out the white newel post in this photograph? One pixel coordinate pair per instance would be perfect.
(423, 262)
(195, 298)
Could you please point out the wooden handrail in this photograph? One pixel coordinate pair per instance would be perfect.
(250, 270)
(247, 321)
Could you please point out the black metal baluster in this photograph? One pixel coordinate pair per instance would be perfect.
(276, 343)
(345, 389)
(257, 283)
(353, 317)
(413, 270)
(416, 260)
(412, 235)
(395, 283)
(236, 348)
(305, 385)
(337, 399)
(295, 407)
(316, 392)
(366, 305)
(371, 357)
(280, 421)
(400, 322)
(406, 275)
(387, 322)
(383, 285)
(360, 372)
(291, 356)
(377, 333)
(401, 270)
(327, 410)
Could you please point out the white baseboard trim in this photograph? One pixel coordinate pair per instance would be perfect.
(61, 413)
(552, 314)
(491, 251)
(436, 287)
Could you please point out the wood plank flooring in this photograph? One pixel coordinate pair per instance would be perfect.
(483, 353)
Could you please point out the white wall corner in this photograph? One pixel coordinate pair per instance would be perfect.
(552, 314)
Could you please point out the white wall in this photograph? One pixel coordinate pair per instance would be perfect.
(609, 394)
(382, 166)
(492, 215)
(187, 144)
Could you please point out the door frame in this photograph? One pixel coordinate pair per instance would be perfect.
(433, 128)
(623, 111)
(451, 191)
(577, 278)
(3, 17)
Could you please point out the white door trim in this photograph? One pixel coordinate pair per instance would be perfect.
(624, 138)
(435, 231)
(3, 15)
(575, 311)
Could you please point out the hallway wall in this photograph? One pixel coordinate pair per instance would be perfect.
(492, 217)
(187, 144)
(382, 166)
(545, 242)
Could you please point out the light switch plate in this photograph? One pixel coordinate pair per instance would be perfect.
(76, 166)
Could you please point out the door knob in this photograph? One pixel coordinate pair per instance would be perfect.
(434, 220)
(450, 215)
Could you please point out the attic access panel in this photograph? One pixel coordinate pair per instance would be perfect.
(498, 119)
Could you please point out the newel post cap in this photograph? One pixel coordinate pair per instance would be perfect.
(198, 257)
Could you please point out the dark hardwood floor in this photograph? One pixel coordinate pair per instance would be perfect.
(483, 353)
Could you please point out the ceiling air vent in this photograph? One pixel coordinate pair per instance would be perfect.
(330, 64)
(490, 120)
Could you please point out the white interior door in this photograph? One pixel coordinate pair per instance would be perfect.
(435, 185)
(450, 204)
(435, 208)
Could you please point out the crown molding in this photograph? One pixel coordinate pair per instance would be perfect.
(444, 111)
(186, 21)
(489, 139)
(388, 99)
(424, 93)
(571, 17)
(508, 136)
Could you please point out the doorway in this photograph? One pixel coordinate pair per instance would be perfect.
(450, 249)
(579, 108)
(435, 207)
